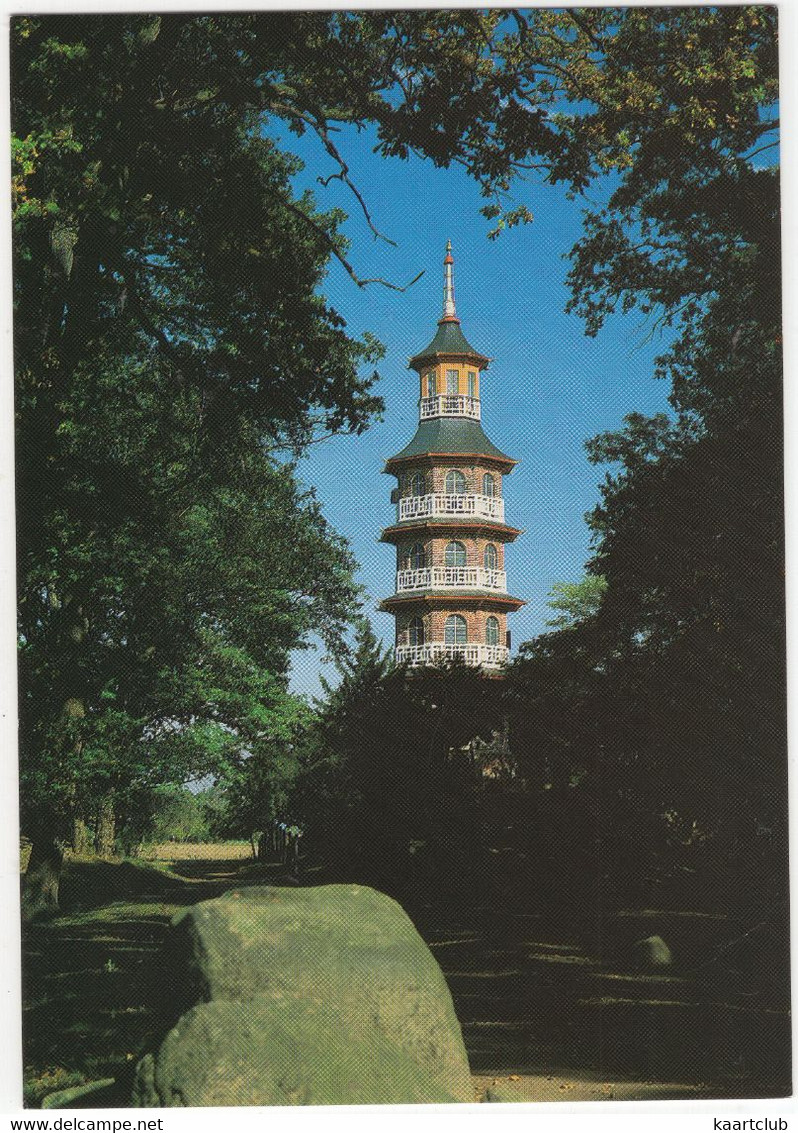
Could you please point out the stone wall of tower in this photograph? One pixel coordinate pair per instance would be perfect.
(475, 621)
(435, 550)
(435, 621)
(435, 477)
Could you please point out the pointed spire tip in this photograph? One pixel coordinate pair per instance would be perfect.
(448, 284)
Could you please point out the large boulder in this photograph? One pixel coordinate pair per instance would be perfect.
(316, 996)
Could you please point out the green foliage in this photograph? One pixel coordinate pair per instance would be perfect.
(676, 102)
(669, 96)
(170, 608)
(172, 351)
(255, 788)
(178, 814)
(666, 705)
(575, 601)
(389, 761)
(689, 528)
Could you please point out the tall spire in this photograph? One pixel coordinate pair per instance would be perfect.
(449, 312)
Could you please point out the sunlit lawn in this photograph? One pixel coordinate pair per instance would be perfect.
(194, 851)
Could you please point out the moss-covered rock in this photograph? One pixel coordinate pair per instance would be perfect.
(279, 1053)
(305, 996)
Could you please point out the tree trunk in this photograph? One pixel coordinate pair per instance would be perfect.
(82, 845)
(106, 827)
(42, 877)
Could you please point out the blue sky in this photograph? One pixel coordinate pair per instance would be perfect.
(558, 387)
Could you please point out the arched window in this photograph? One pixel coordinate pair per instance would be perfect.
(455, 554)
(492, 631)
(432, 384)
(455, 631)
(415, 556)
(417, 484)
(488, 485)
(415, 631)
(455, 483)
(490, 558)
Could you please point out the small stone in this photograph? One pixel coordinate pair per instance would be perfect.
(652, 952)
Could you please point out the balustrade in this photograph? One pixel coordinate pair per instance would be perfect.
(450, 405)
(445, 504)
(473, 653)
(462, 578)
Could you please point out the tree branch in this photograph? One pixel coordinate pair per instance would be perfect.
(583, 27)
(335, 251)
(770, 145)
(343, 175)
(322, 131)
(300, 445)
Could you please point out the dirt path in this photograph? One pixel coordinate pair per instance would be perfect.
(543, 1018)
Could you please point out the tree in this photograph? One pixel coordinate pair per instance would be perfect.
(389, 766)
(576, 601)
(668, 702)
(255, 788)
(178, 814)
(667, 705)
(170, 343)
(192, 591)
(689, 528)
(331, 789)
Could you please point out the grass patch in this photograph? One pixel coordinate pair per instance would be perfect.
(38, 1085)
(93, 986)
(88, 884)
(196, 851)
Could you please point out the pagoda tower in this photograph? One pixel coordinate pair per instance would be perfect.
(450, 532)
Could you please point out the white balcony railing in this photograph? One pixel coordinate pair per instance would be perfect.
(449, 405)
(485, 507)
(487, 656)
(460, 578)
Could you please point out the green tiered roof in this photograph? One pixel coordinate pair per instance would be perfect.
(449, 339)
(450, 435)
